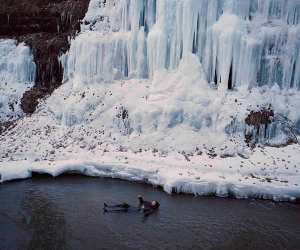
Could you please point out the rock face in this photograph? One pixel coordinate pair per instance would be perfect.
(258, 120)
(46, 26)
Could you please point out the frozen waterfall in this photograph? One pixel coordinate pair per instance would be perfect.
(185, 54)
(17, 74)
(249, 42)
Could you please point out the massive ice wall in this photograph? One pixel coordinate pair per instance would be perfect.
(183, 46)
(17, 74)
(239, 42)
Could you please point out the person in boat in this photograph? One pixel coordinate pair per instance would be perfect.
(147, 207)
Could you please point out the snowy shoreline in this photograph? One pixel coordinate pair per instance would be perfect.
(138, 130)
(173, 83)
(202, 175)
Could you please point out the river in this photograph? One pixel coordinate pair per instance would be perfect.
(66, 213)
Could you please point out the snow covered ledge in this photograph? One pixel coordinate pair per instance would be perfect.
(270, 173)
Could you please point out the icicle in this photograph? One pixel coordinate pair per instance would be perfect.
(253, 42)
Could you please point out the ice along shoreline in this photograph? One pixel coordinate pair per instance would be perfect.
(202, 175)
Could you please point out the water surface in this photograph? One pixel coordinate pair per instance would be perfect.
(66, 213)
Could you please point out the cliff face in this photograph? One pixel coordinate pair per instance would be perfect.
(44, 25)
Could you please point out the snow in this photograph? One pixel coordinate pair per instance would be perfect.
(175, 136)
(173, 103)
(17, 74)
(242, 178)
(145, 98)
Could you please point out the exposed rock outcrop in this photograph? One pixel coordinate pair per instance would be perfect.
(46, 26)
(258, 120)
(261, 117)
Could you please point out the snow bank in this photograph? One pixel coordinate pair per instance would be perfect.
(263, 175)
(17, 74)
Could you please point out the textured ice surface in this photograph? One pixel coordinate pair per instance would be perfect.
(146, 98)
(249, 42)
(172, 135)
(17, 74)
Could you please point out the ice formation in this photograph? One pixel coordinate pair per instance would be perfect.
(146, 98)
(237, 44)
(249, 42)
(17, 74)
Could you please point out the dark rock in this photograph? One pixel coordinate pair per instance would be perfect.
(31, 98)
(258, 118)
(4, 126)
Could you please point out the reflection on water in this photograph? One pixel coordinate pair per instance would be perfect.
(66, 213)
(45, 220)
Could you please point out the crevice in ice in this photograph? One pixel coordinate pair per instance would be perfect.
(230, 83)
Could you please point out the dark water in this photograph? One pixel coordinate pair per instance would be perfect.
(66, 213)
